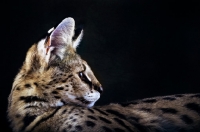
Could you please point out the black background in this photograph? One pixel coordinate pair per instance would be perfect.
(136, 48)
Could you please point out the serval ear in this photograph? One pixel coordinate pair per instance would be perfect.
(61, 40)
(78, 34)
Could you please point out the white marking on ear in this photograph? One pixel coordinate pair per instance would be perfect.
(78, 40)
(42, 50)
(50, 30)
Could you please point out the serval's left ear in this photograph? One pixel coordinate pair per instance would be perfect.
(63, 39)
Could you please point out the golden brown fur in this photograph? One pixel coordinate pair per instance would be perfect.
(55, 91)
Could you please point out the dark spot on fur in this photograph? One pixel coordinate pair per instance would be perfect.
(54, 92)
(70, 76)
(50, 83)
(45, 94)
(63, 81)
(67, 90)
(136, 119)
(90, 124)
(169, 110)
(186, 119)
(67, 85)
(27, 86)
(71, 117)
(169, 98)
(59, 88)
(35, 84)
(92, 117)
(57, 97)
(100, 111)
(70, 126)
(63, 102)
(78, 128)
(74, 120)
(105, 120)
(83, 101)
(17, 115)
(145, 109)
(106, 129)
(141, 128)
(72, 109)
(64, 111)
(120, 122)
(29, 99)
(27, 120)
(116, 113)
(118, 130)
(18, 88)
(193, 106)
(150, 101)
(54, 80)
(91, 110)
(46, 87)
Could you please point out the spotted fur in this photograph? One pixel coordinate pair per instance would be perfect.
(55, 91)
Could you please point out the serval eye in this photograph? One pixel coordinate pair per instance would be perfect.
(80, 74)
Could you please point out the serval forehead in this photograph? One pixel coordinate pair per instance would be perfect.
(69, 63)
